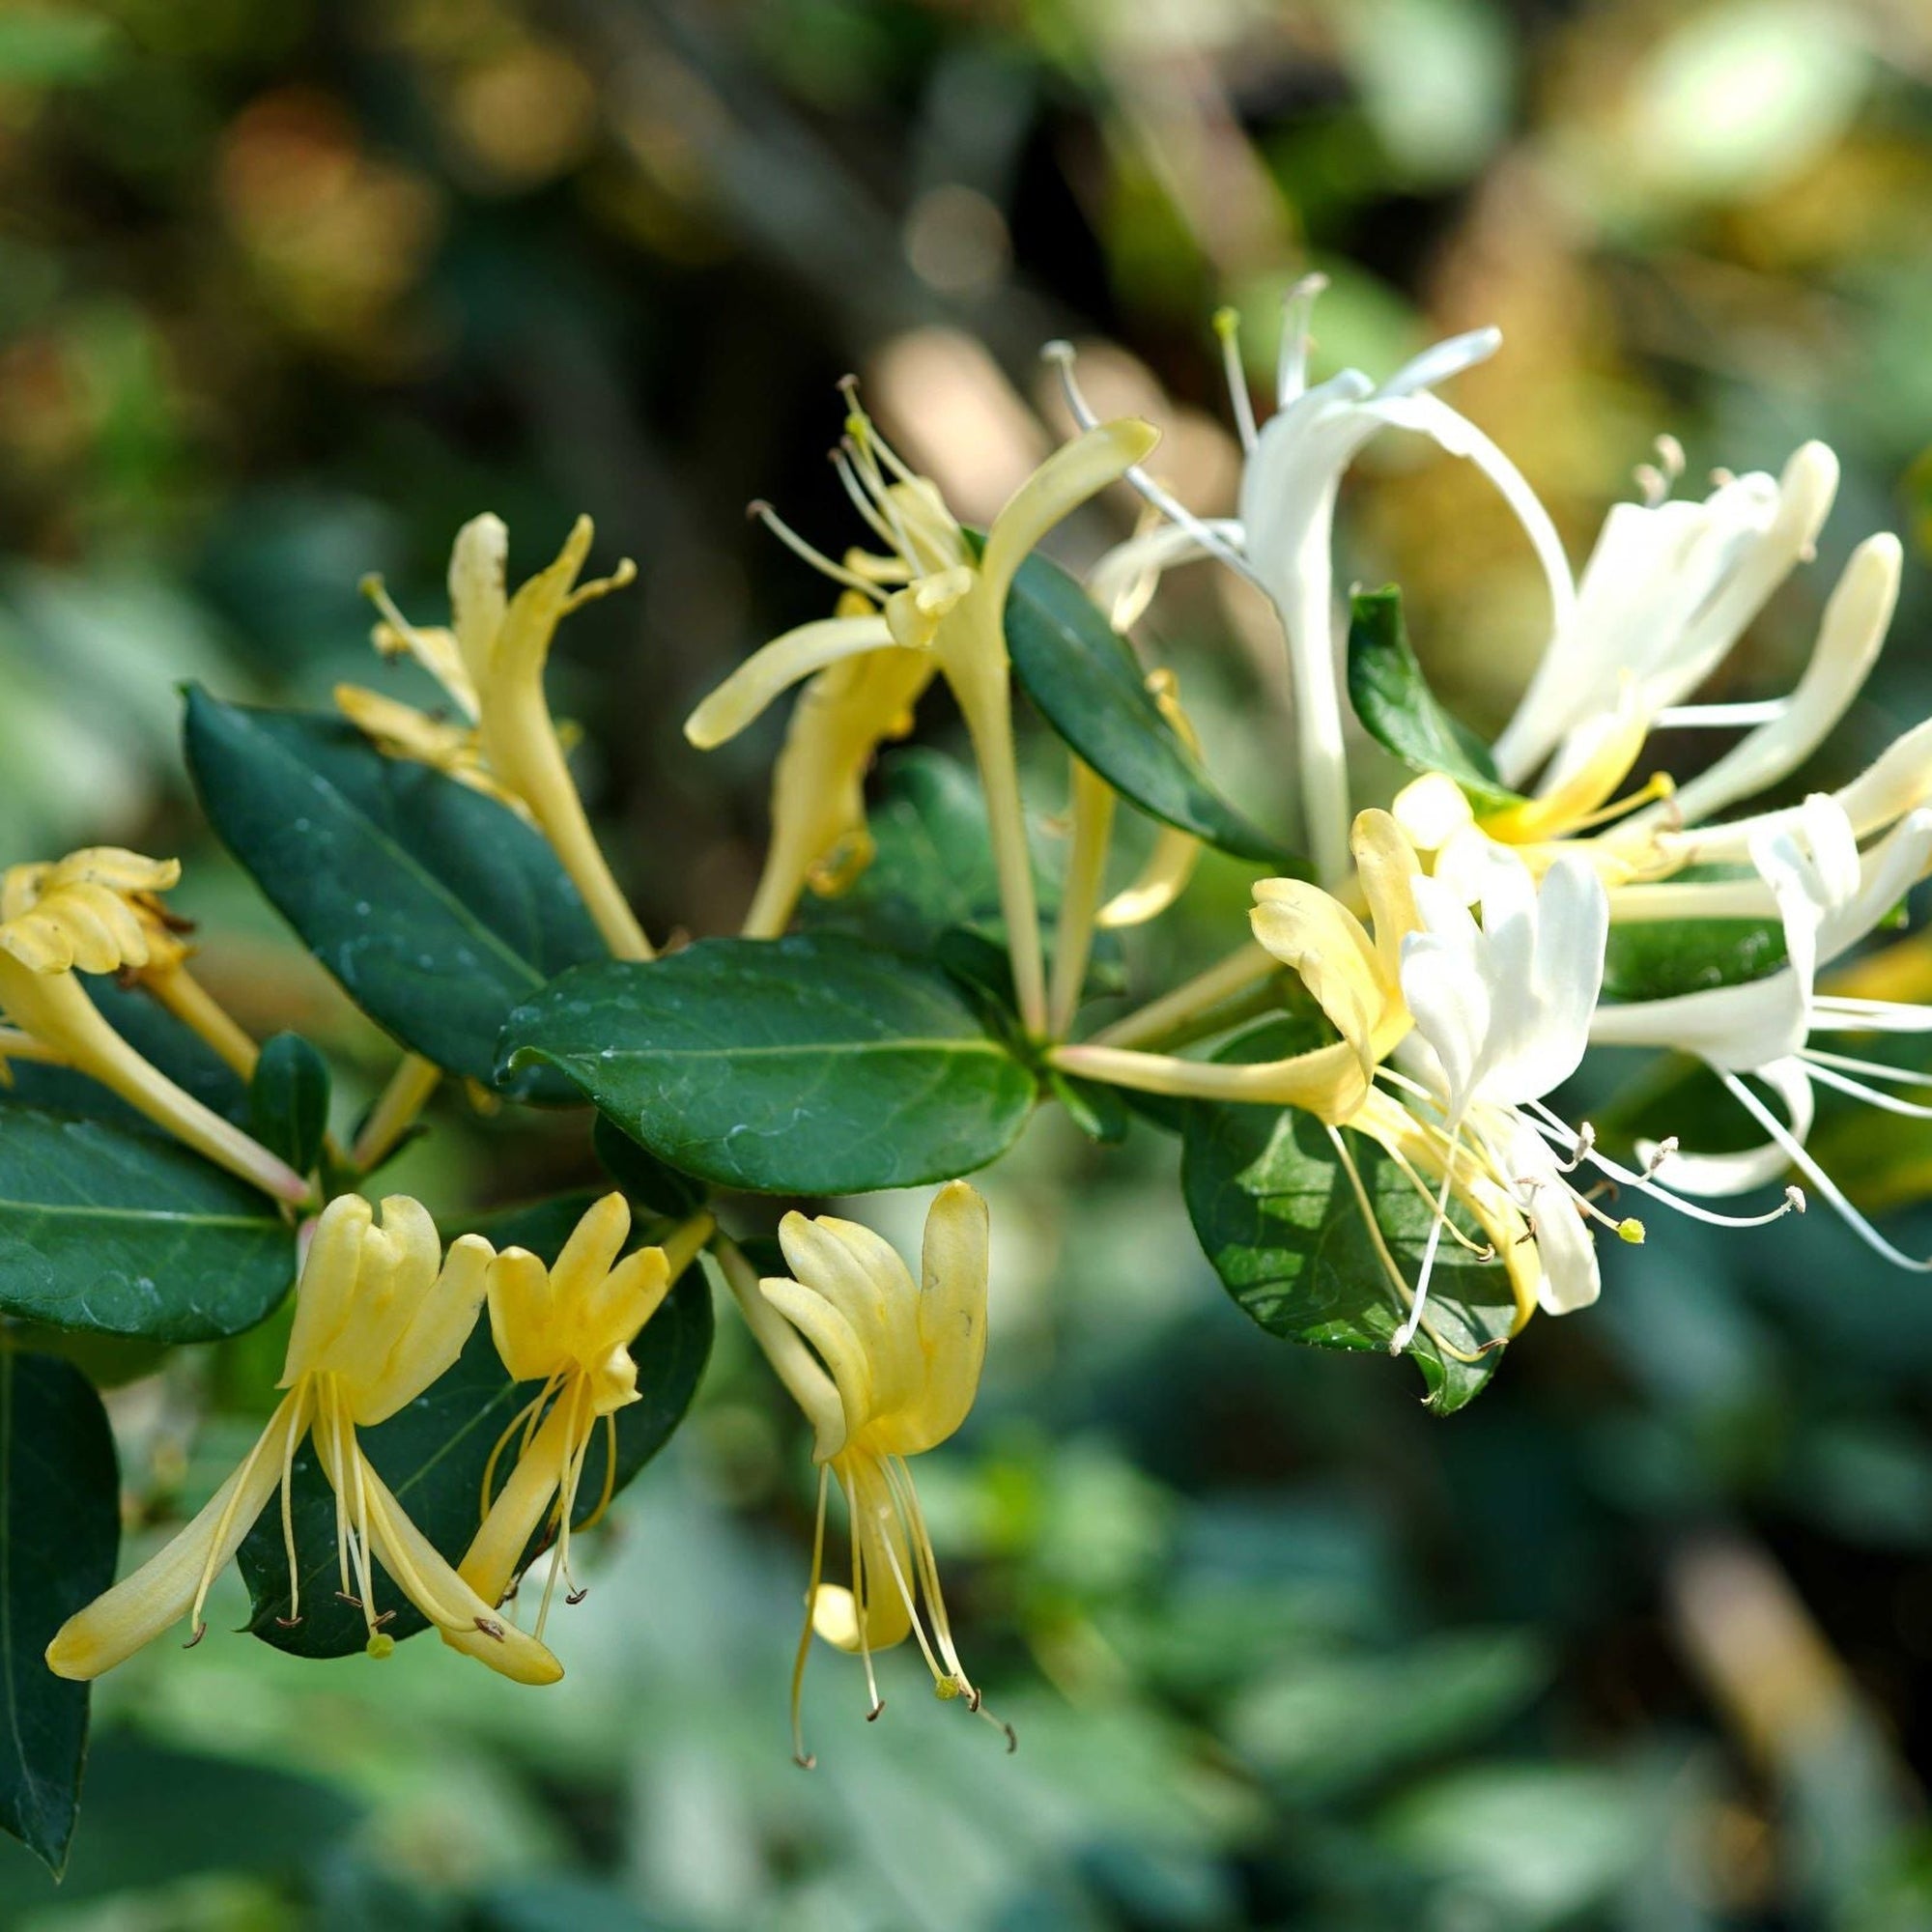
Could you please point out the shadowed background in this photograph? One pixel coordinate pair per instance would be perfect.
(286, 293)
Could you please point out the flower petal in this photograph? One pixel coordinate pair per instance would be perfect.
(776, 667)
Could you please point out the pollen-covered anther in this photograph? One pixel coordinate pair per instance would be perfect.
(1586, 1141)
(1794, 1199)
(1660, 1154)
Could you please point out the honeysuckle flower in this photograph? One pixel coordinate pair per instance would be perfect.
(568, 1326)
(95, 911)
(1667, 592)
(490, 662)
(1578, 793)
(819, 835)
(379, 1315)
(1283, 538)
(1830, 896)
(884, 1369)
(1351, 974)
(940, 600)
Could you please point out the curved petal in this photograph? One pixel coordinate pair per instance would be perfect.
(776, 668)
(1067, 480)
(838, 1345)
(1162, 879)
(1320, 939)
(955, 1266)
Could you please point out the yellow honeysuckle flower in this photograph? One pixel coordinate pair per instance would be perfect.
(1354, 978)
(568, 1326)
(891, 1370)
(95, 911)
(819, 835)
(490, 662)
(379, 1315)
(932, 596)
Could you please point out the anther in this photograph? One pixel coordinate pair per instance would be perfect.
(353, 1603)
(1663, 1153)
(806, 1763)
(1669, 456)
(288, 1623)
(756, 509)
(487, 1627)
(1586, 1141)
(872, 1715)
(574, 1597)
(200, 1632)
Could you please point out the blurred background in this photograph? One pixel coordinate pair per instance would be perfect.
(1644, 1640)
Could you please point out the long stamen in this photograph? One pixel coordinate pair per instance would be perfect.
(851, 1488)
(350, 1460)
(800, 1756)
(1228, 326)
(842, 463)
(523, 1414)
(293, 1616)
(610, 1489)
(1292, 366)
(1801, 1159)
(798, 546)
(1162, 498)
(1871, 1070)
(1872, 1097)
(1405, 1334)
(223, 1524)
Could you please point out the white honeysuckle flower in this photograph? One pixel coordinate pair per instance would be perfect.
(1282, 541)
(1667, 592)
(1502, 1011)
(1830, 896)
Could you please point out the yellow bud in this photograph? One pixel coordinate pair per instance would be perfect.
(1631, 1229)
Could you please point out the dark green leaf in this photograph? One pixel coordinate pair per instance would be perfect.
(801, 1065)
(1275, 1214)
(1088, 685)
(288, 1100)
(1398, 709)
(434, 1454)
(647, 1181)
(1100, 1113)
(60, 1527)
(128, 1233)
(436, 908)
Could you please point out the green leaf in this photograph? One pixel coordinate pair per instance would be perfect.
(1398, 709)
(434, 1454)
(1088, 685)
(1658, 959)
(436, 908)
(60, 1527)
(647, 1181)
(801, 1065)
(124, 1231)
(288, 1100)
(1276, 1216)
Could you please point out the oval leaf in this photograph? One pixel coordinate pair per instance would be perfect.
(813, 1064)
(127, 1232)
(1090, 687)
(60, 1527)
(436, 908)
(1276, 1215)
(288, 1100)
(434, 1454)
(1398, 709)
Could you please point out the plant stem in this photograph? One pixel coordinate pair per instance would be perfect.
(1242, 970)
(396, 1107)
(1080, 894)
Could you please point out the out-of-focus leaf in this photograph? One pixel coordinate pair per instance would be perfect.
(1659, 959)
(60, 1527)
(56, 48)
(1327, 1724)
(288, 1100)
(801, 1065)
(1279, 1221)
(1087, 684)
(436, 908)
(434, 1454)
(128, 1233)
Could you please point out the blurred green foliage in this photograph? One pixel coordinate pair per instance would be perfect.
(1645, 1639)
